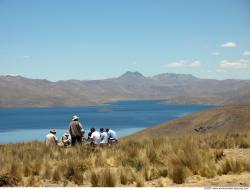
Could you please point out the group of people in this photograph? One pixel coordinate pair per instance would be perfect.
(76, 134)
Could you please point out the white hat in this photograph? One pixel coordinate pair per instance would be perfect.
(66, 133)
(75, 117)
(52, 131)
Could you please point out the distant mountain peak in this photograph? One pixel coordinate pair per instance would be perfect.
(131, 75)
(174, 76)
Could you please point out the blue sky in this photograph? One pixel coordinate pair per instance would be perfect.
(96, 39)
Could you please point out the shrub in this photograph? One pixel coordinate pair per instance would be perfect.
(8, 181)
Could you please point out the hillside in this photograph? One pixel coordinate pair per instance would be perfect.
(188, 160)
(231, 118)
(17, 91)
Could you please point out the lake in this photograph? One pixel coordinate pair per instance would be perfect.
(125, 117)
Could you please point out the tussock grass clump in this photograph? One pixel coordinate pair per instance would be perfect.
(31, 181)
(94, 178)
(56, 175)
(163, 172)
(15, 171)
(179, 174)
(36, 168)
(107, 178)
(47, 171)
(73, 171)
(219, 154)
(231, 166)
(151, 153)
(123, 177)
(26, 171)
(139, 181)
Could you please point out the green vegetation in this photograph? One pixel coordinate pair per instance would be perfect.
(131, 162)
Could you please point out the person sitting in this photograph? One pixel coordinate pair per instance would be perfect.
(112, 137)
(83, 135)
(51, 138)
(95, 137)
(66, 139)
(89, 135)
(104, 137)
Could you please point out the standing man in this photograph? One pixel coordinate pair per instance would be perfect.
(75, 130)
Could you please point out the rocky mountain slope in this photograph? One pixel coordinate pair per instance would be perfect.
(17, 91)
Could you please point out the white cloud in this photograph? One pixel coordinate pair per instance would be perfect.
(194, 64)
(215, 53)
(229, 45)
(26, 56)
(241, 64)
(183, 63)
(246, 53)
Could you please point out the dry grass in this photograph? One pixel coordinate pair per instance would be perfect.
(107, 178)
(131, 162)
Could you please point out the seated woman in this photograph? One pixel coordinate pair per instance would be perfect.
(66, 139)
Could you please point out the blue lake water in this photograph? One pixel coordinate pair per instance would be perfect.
(125, 117)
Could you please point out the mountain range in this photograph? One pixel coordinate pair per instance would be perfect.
(18, 91)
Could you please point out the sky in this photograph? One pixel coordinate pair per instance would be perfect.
(97, 39)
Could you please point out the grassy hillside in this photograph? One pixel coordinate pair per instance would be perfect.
(191, 160)
(222, 119)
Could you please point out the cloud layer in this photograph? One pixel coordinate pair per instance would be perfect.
(241, 64)
(183, 63)
(229, 45)
(246, 53)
